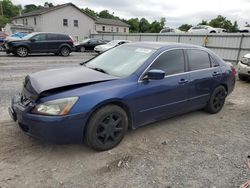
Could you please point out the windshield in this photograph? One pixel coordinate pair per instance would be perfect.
(86, 40)
(113, 42)
(121, 61)
(27, 37)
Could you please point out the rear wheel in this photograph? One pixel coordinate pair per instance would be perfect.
(65, 51)
(217, 100)
(242, 77)
(106, 128)
(82, 49)
(21, 51)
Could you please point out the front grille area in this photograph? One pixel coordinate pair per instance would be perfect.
(24, 101)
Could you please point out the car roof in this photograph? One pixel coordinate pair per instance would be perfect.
(48, 33)
(158, 45)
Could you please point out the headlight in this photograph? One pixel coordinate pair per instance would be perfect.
(55, 107)
(245, 61)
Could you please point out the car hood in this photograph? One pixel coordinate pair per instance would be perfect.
(60, 80)
(13, 39)
(247, 56)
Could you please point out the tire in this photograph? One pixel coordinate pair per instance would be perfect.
(106, 128)
(242, 77)
(82, 49)
(217, 100)
(21, 51)
(64, 51)
(212, 32)
(56, 54)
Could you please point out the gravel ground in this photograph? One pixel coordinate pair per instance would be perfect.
(192, 150)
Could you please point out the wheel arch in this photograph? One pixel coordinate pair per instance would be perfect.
(64, 45)
(116, 102)
(22, 45)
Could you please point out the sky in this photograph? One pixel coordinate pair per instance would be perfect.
(176, 12)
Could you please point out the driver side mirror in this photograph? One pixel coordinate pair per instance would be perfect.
(154, 74)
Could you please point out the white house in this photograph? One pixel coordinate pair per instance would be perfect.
(103, 25)
(69, 19)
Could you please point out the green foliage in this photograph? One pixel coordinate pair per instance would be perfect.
(30, 8)
(144, 25)
(203, 22)
(222, 22)
(155, 27)
(106, 14)
(134, 25)
(90, 12)
(3, 21)
(185, 27)
(9, 10)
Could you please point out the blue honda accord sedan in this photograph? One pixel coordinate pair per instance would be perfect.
(124, 88)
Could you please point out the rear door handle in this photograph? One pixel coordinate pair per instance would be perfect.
(183, 81)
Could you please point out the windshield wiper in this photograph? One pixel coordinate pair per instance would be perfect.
(98, 69)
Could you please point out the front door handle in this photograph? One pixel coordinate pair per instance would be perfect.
(183, 81)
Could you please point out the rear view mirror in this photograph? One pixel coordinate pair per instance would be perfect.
(33, 40)
(154, 74)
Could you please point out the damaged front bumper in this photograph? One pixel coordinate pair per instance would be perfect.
(51, 129)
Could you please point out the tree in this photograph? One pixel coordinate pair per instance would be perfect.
(90, 12)
(155, 27)
(106, 14)
(144, 25)
(47, 4)
(162, 22)
(30, 8)
(203, 22)
(185, 27)
(235, 27)
(134, 25)
(3, 21)
(222, 22)
(9, 10)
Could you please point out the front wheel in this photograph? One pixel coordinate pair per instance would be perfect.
(217, 100)
(21, 51)
(65, 51)
(106, 128)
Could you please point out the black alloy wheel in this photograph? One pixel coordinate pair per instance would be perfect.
(217, 100)
(106, 127)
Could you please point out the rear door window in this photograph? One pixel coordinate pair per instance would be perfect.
(172, 62)
(52, 37)
(198, 59)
